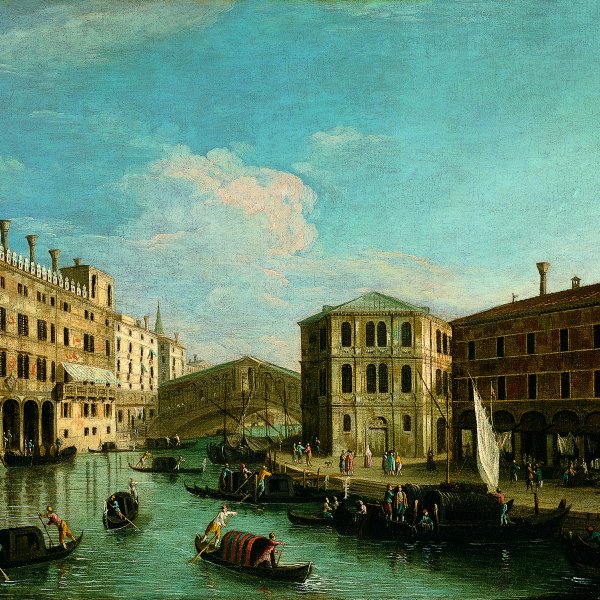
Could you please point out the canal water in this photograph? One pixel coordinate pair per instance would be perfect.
(153, 561)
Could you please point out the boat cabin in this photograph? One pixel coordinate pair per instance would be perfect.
(21, 544)
(240, 548)
(455, 507)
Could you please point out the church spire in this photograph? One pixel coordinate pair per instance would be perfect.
(158, 326)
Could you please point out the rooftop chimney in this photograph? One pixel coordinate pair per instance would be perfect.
(575, 281)
(543, 269)
(31, 240)
(146, 322)
(177, 337)
(4, 227)
(54, 254)
(77, 261)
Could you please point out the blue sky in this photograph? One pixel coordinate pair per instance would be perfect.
(246, 163)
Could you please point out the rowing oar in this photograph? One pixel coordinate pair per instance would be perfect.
(46, 530)
(203, 549)
(6, 577)
(130, 522)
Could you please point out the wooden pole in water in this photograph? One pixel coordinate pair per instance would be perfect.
(536, 504)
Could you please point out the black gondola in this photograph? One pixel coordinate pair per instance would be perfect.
(108, 447)
(239, 551)
(279, 488)
(129, 508)
(167, 464)
(315, 520)
(584, 556)
(42, 457)
(23, 546)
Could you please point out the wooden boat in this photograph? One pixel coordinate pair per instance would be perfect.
(584, 556)
(23, 546)
(239, 551)
(279, 488)
(313, 519)
(108, 447)
(167, 464)
(245, 449)
(128, 506)
(16, 459)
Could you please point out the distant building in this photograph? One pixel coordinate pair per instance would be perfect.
(244, 391)
(374, 372)
(56, 351)
(197, 364)
(171, 353)
(536, 364)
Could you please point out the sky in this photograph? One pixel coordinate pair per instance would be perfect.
(245, 163)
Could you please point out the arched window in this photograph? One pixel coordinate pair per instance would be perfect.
(94, 286)
(346, 379)
(370, 334)
(383, 379)
(406, 335)
(371, 379)
(346, 334)
(445, 343)
(406, 379)
(445, 383)
(438, 381)
(347, 423)
(438, 341)
(381, 334)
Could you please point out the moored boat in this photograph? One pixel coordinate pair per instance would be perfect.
(313, 519)
(128, 506)
(239, 552)
(167, 464)
(583, 555)
(25, 545)
(42, 457)
(108, 447)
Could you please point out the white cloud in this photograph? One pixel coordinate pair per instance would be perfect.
(341, 136)
(10, 164)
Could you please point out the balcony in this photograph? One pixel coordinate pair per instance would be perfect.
(81, 390)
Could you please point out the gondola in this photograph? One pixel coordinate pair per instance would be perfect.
(23, 546)
(51, 456)
(279, 488)
(129, 508)
(108, 447)
(315, 520)
(167, 464)
(584, 557)
(239, 551)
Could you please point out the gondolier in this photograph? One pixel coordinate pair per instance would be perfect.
(214, 528)
(61, 524)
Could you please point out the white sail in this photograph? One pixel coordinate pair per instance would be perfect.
(488, 453)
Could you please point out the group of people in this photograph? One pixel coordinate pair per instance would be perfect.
(346, 463)
(391, 463)
(394, 503)
(226, 479)
(298, 450)
(329, 508)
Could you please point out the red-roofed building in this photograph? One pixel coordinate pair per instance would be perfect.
(536, 363)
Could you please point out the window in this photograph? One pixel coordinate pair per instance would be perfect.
(370, 334)
(91, 316)
(406, 423)
(52, 301)
(471, 392)
(94, 282)
(471, 350)
(383, 379)
(531, 343)
(532, 386)
(445, 388)
(322, 382)
(86, 431)
(108, 429)
(371, 379)
(42, 330)
(438, 381)
(381, 334)
(596, 384)
(65, 410)
(501, 386)
(66, 433)
(65, 307)
(107, 411)
(2, 282)
(19, 288)
(22, 366)
(53, 371)
(500, 346)
(445, 343)
(346, 379)
(2, 318)
(347, 423)
(130, 347)
(86, 410)
(23, 324)
(107, 347)
(406, 335)
(66, 336)
(109, 295)
(3, 363)
(438, 341)
(565, 385)
(322, 338)
(85, 314)
(406, 379)
(94, 410)
(88, 342)
(41, 369)
(564, 340)
(346, 334)
(120, 416)
(52, 333)
(94, 430)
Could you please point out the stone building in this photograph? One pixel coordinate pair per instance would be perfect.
(375, 371)
(196, 364)
(246, 391)
(536, 364)
(136, 368)
(56, 351)
(171, 353)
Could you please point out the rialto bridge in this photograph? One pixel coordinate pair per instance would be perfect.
(246, 391)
